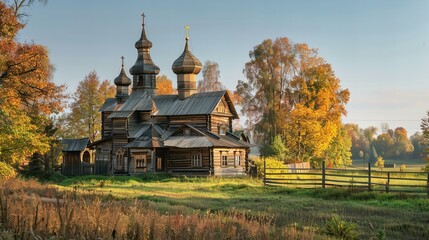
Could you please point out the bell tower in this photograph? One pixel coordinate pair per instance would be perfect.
(144, 70)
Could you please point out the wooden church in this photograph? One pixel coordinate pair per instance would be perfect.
(188, 134)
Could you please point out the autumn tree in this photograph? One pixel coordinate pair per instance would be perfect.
(370, 133)
(211, 76)
(360, 144)
(338, 153)
(27, 93)
(384, 145)
(164, 85)
(394, 144)
(84, 119)
(424, 125)
(292, 92)
(417, 139)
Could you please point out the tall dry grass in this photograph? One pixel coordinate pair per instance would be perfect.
(30, 210)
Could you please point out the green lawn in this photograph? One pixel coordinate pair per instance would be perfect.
(399, 216)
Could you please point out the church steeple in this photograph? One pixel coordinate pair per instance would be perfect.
(122, 83)
(187, 66)
(144, 70)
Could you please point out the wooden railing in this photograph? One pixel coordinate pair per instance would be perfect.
(368, 179)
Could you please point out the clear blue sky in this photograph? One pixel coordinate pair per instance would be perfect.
(379, 49)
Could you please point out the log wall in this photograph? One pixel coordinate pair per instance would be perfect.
(181, 159)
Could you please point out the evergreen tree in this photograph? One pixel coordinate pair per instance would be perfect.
(372, 154)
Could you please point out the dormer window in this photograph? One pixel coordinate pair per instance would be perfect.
(187, 132)
(222, 129)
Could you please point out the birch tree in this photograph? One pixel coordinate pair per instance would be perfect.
(292, 92)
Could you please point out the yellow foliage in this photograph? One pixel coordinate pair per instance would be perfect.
(270, 163)
(164, 85)
(27, 94)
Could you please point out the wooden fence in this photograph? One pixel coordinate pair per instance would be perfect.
(367, 179)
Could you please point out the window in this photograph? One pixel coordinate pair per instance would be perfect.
(237, 156)
(120, 159)
(140, 161)
(224, 159)
(222, 128)
(187, 132)
(87, 157)
(159, 163)
(222, 131)
(196, 159)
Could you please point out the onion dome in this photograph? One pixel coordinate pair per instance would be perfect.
(122, 79)
(187, 63)
(144, 63)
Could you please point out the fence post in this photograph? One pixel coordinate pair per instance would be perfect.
(388, 182)
(369, 176)
(323, 174)
(265, 172)
(428, 185)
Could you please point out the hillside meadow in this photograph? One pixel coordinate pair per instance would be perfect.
(163, 207)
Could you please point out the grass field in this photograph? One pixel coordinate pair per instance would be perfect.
(412, 165)
(277, 212)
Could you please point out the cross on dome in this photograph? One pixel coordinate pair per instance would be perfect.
(187, 31)
(143, 16)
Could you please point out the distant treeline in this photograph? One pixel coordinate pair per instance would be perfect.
(390, 144)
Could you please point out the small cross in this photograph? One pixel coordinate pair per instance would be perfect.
(143, 17)
(187, 31)
(122, 60)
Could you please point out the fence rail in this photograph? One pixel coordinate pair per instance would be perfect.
(371, 180)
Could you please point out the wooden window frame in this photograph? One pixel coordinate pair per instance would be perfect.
(141, 162)
(237, 156)
(158, 163)
(224, 161)
(120, 157)
(196, 159)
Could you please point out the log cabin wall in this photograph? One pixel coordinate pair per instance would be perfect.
(197, 121)
(103, 158)
(133, 121)
(162, 121)
(181, 159)
(216, 120)
(106, 125)
(120, 139)
(232, 167)
(143, 116)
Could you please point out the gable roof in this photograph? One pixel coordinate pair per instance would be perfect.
(170, 105)
(148, 135)
(75, 145)
(197, 104)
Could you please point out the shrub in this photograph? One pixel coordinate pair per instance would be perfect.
(270, 163)
(6, 171)
(341, 229)
(379, 163)
(57, 177)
